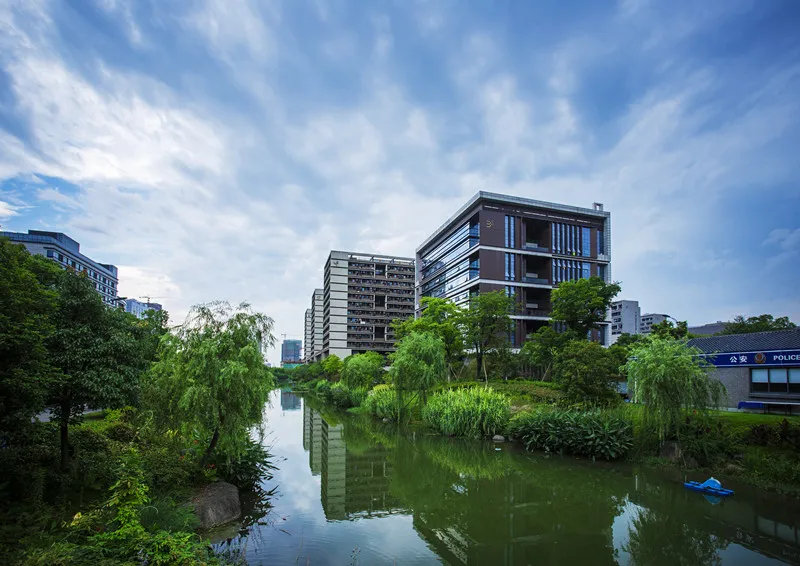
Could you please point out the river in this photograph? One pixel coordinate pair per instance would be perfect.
(351, 491)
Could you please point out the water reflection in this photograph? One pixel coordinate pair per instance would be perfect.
(290, 401)
(462, 502)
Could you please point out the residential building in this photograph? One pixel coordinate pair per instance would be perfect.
(67, 253)
(649, 319)
(363, 294)
(708, 329)
(314, 346)
(138, 309)
(759, 370)
(521, 246)
(625, 318)
(290, 352)
(307, 336)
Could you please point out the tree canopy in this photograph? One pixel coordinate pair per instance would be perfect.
(587, 372)
(486, 325)
(418, 364)
(362, 370)
(440, 317)
(760, 323)
(666, 329)
(583, 303)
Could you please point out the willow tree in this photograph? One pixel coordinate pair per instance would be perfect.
(669, 377)
(212, 377)
(418, 364)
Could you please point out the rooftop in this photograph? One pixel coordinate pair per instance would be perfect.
(753, 342)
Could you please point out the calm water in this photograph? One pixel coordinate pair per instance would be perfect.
(349, 491)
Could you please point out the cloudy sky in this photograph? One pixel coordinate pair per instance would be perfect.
(220, 149)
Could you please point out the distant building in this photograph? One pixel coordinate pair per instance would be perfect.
(758, 370)
(708, 329)
(625, 318)
(308, 336)
(66, 252)
(314, 330)
(290, 352)
(138, 308)
(649, 319)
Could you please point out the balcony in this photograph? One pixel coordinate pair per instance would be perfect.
(532, 312)
(529, 278)
(535, 247)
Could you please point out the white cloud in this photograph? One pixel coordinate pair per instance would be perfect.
(53, 195)
(7, 210)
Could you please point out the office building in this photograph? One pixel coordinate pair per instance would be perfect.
(760, 370)
(625, 318)
(517, 245)
(308, 329)
(315, 328)
(290, 353)
(67, 253)
(138, 308)
(708, 329)
(649, 319)
(363, 294)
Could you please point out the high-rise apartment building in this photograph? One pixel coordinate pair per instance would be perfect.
(139, 309)
(290, 352)
(649, 319)
(315, 327)
(67, 253)
(517, 245)
(363, 294)
(308, 328)
(625, 318)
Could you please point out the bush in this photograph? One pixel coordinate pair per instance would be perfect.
(472, 412)
(597, 434)
(707, 441)
(382, 403)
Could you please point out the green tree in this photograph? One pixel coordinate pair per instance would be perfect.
(583, 303)
(362, 370)
(212, 376)
(486, 325)
(418, 364)
(440, 317)
(542, 349)
(587, 372)
(761, 323)
(27, 305)
(332, 367)
(669, 377)
(665, 329)
(627, 340)
(96, 352)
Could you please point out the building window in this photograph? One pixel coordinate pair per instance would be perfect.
(775, 380)
(586, 244)
(510, 231)
(601, 245)
(586, 270)
(510, 267)
(511, 292)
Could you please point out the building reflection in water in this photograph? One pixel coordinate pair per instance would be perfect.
(290, 401)
(473, 505)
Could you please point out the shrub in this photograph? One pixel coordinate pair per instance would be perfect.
(597, 434)
(472, 412)
(706, 440)
(382, 403)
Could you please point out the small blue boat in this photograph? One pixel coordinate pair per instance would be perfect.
(710, 487)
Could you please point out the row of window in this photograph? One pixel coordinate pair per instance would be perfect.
(569, 239)
(510, 231)
(775, 380)
(570, 270)
(511, 267)
(52, 254)
(440, 250)
(434, 267)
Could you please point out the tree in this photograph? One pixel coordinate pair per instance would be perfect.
(418, 364)
(627, 340)
(486, 325)
(95, 351)
(440, 317)
(583, 303)
(587, 372)
(27, 305)
(761, 323)
(665, 329)
(362, 370)
(212, 376)
(332, 367)
(542, 349)
(669, 377)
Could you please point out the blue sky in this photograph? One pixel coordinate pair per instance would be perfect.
(220, 149)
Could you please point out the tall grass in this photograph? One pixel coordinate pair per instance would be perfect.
(596, 434)
(382, 403)
(473, 412)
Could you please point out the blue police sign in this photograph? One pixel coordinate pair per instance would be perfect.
(769, 359)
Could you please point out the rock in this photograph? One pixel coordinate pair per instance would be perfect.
(387, 420)
(498, 438)
(217, 504)
(671, 451)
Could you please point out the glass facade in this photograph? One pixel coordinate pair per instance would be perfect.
(586, 242)
(569, 239)
(510, 267)
(775, 380)
(510, 231)
(570, 270)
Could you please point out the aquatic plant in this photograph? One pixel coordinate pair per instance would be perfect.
(472, 412)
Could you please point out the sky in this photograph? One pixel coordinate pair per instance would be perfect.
(220, 149)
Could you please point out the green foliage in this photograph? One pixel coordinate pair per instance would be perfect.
(529, 392)
(332, 367)
(542, 349)
(306, 373)
(342, 397)
(27, 305)
(588, 373)
(668, 377)
(472, 412)
(382, 403)
(665, 329)
(440, 317)
(583, 303)
(486, 325)
(595, 434)
(626, 340)
(707, 440)
(362, 371)
(761, 323)
(418, 364)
